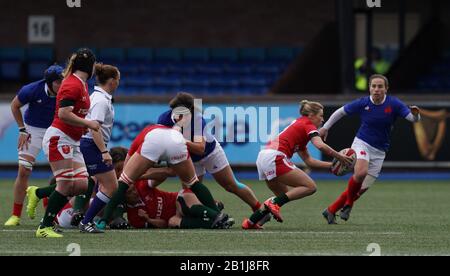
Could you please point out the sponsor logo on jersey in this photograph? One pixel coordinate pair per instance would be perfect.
(179, 157)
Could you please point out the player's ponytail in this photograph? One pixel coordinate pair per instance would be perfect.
(307, 108)
(69, 67)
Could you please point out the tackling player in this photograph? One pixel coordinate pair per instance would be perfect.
(206, 152)
(41, 99)
(160, 143)
(378, 113)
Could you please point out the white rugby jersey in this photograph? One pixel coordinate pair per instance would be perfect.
(101, 110)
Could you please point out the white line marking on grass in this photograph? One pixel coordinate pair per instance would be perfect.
(222, 232)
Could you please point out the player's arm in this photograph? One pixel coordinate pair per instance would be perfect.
(334, 118)
(98, 113)
(195, 147)
(324, 148)
(65, 113)
(152, 223)
(414, 115)
(24, 136)
(16, 105)
(311, 162)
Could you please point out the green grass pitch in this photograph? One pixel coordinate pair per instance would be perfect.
(403, 218)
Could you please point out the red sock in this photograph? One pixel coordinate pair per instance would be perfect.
(17, 210)
(257, 206)
(353, 189)
(45, 202)
(339, 203)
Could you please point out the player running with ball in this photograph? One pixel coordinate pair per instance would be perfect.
(378, 113)
(274, 165)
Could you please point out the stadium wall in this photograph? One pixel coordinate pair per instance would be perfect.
(242, 129)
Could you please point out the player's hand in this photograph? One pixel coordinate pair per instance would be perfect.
(344, 159)
(142, 213)
(415, 110)
(94, 125)
(323, 132)
(24, 140)
(107, 159)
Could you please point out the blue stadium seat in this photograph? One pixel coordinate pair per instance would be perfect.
(11, 70)
(182, 68)
(36, 70)
(196, 54)
(111, 55)
(210, 68)
(40, 54)
(196, 80)
(280, 53)
(167, 80)
(139, 54)
(224, 81)
(154, 67)
(224, 54)
(252, 54)
(238, 68)
(167, 54)
(253, 80)
(195, 89)
(12, 54)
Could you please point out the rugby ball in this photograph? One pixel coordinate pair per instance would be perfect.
(338, 169)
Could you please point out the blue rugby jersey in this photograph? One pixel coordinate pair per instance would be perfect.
(41, 106)
(377, 121)
(166, 120)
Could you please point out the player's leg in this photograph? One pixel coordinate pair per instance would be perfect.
(20, 186)
(135, 167)
(35, 194)
(186, 172)
(228, 181)
(107, 186)
(64, 173)
(217, 164)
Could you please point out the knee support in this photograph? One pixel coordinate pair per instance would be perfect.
(191, 182)
(26, 164)
(64, 175)
(125, 179)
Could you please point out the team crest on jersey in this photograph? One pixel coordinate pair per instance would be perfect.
(65, 149)
(367, 108)
(363, 153)
(388, 110)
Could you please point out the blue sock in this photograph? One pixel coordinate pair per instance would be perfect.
(96, 206)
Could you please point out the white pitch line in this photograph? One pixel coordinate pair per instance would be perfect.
(175, 253)
(219, 232)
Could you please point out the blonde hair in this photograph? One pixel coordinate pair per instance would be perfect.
(307, 108)
(68, 70)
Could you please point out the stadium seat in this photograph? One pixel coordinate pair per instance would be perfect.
(252, 54)
(36, 70)
(40, 54)
(182, 68)
(196, 80)
(111, 55)
(167, 54)
(12, 54)
(139, 54)
(210, 68)
(224, 54)
(11, 70)
(238, 68)
(196, 54)
(280, 53)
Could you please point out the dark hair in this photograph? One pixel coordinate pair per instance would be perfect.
(104, 72)
(378, 76)
(118, 154)
(183, 99)
(83, 59)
